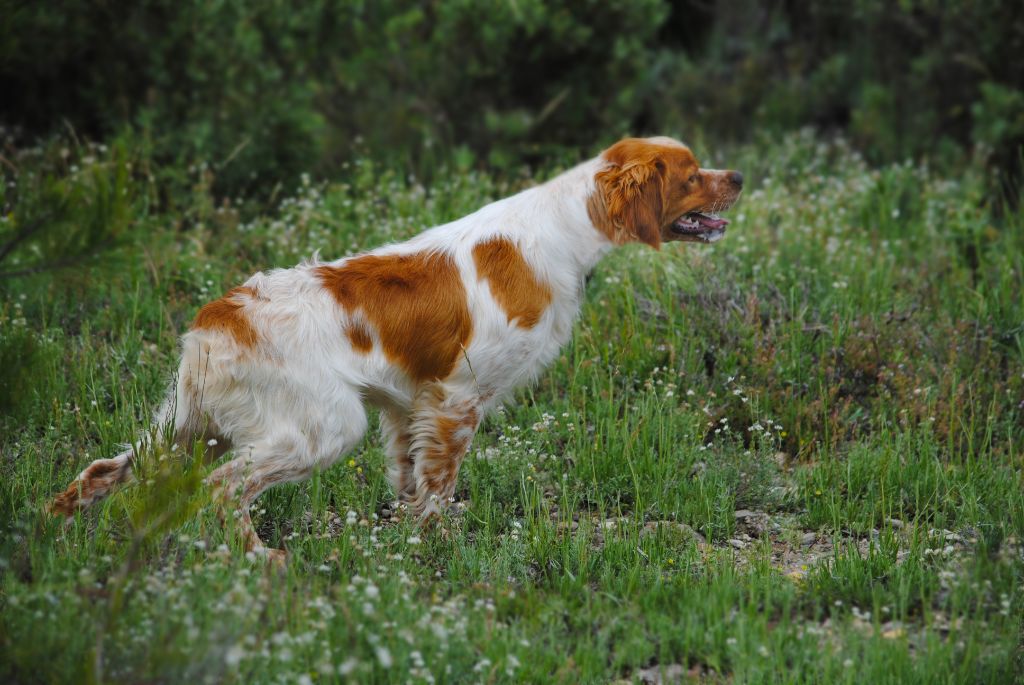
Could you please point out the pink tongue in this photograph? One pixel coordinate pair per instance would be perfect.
(709, 223)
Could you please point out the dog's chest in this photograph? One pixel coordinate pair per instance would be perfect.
(506, 355)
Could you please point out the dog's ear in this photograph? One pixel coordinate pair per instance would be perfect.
(633, 190)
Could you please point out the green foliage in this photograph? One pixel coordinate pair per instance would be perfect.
(65, 208)
(257, 93)
(848, 364)
(24, 368)
(261, 92)
(812, 368)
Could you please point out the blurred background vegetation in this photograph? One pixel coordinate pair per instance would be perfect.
(257, 93)
(849, 364)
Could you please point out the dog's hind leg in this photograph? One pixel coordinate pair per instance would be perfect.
(93, 484)
(291, 453)
(395, 429)
(179, 417)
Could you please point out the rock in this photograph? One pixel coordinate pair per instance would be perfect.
(738, 544)
(809, 539)
(651, 527)
(662, 675)
(691, 532)
(893, 631)
(950, 536)
(895, 523)
(753, 523)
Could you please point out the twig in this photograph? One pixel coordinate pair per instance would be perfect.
(9, 164)
(26, 232)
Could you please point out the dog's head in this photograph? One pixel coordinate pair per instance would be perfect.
(653, 190)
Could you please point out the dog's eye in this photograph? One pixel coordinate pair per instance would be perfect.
(692, 179)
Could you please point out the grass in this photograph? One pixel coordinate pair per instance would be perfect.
(795, 456)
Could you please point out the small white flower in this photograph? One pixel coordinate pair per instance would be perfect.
(384, 657)
(234, 656)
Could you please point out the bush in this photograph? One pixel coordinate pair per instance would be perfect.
(263, 91)
(259, 92)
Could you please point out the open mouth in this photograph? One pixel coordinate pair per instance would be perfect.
(705, 227)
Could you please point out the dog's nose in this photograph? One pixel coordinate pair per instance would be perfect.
(736, 178)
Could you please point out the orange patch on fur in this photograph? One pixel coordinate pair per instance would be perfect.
(226, 315)
(359, 337)
(597, 210)
(416, 302)
(512, 282)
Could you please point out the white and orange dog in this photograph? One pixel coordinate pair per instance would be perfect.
(434, 331)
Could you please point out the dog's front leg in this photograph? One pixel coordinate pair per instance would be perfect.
(442, 429)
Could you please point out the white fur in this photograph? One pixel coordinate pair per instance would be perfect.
(297, 404)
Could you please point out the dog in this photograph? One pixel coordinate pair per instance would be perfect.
(434, 332)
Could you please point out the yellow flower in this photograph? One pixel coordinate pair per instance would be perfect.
(351, 462)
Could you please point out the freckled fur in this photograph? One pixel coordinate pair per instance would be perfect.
(359, 337)
(435, 331)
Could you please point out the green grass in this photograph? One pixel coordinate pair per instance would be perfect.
(848, 365)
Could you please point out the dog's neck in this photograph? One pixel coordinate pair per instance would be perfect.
(556, 230)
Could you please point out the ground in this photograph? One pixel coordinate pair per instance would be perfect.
(793, 456)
